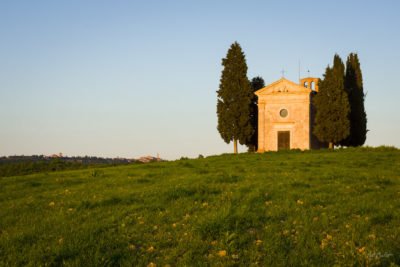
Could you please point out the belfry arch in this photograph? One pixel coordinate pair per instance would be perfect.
(310, 83)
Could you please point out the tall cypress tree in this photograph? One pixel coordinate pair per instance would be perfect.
(256, 84)
(332, 124)
(354, 87)
(234, 98)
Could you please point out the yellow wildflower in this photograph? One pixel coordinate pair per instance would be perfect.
(361, 250)
(150, 249)
(151, 264)
(285, 232)
(51, 204)
(324, 243)
(372, 236)
(300, 202)
(222, 253)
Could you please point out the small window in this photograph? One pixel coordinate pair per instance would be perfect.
(306, 84)
(283, 113)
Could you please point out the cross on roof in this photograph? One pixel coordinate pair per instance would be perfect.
(283, 72)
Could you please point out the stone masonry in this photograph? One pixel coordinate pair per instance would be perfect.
(285, 115)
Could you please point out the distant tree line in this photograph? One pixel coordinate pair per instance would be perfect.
(340, 117)
(23, 165)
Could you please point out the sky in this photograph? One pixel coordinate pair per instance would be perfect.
(134, 78)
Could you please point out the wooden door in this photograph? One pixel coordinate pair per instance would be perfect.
(283, 140)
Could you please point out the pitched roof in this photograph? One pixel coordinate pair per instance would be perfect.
(282, 85)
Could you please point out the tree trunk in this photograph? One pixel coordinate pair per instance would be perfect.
(235, 146)
(330, 145)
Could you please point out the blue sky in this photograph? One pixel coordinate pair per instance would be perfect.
(133, 78)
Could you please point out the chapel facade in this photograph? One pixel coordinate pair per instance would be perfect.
(286, 115)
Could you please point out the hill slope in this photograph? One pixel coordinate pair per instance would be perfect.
(290, 208)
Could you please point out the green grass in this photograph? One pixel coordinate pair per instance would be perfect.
(318, 208)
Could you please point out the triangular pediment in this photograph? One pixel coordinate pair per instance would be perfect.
(282, 86)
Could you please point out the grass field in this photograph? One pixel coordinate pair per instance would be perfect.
(317, 208)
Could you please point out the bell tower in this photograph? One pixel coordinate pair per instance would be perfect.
(310, 82)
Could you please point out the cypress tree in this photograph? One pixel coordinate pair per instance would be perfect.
(332, 124)
(256, 84)
(354, 87)
(234, 98)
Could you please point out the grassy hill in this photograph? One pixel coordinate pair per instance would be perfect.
(290, 208)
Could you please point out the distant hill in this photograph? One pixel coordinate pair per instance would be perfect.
(23, 165)
(291, 208)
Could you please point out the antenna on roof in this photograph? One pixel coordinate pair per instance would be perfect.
(299, 70)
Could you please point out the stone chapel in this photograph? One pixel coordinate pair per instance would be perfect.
(285, 115)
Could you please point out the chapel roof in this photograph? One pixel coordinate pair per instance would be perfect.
(282, 85)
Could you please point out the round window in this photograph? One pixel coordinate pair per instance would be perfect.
(283, 113)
